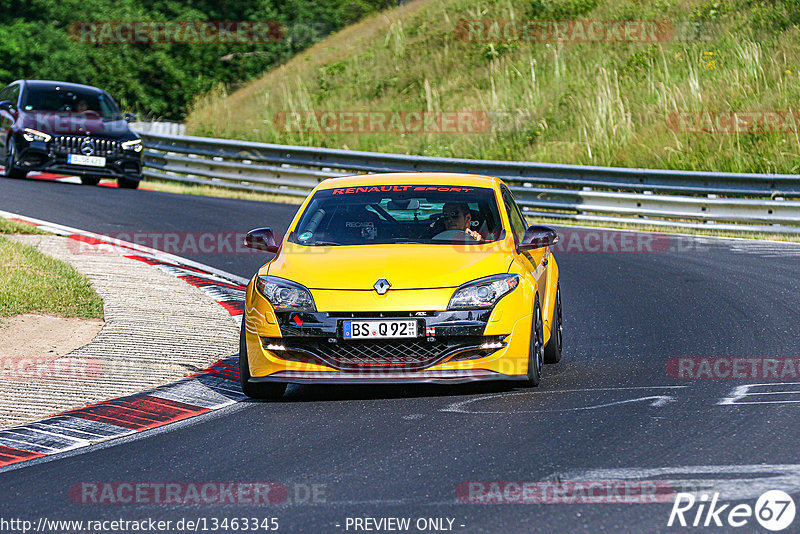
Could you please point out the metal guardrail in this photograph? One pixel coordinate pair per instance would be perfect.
(744, 202)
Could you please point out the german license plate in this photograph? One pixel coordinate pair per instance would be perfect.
(92, 161)
(379, 329)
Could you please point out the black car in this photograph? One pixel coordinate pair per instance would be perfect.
(67, 128)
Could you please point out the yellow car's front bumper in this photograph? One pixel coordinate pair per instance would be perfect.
(452, 347)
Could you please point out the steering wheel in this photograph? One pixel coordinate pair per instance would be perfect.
(454, 235)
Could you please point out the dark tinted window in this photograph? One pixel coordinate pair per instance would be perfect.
(382, 214)
(70, 101)
(13, 94)
(518, 223)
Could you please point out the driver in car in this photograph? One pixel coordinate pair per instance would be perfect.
(457, 216)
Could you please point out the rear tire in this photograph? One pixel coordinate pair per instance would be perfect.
(552, 351)
(127, 183)
(536, 351)
(264, 390)
(12, 171)
(90, 180)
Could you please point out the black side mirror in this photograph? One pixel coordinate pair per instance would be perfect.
(261, 239)
(129, 117)
(6, 105)
(538, 237)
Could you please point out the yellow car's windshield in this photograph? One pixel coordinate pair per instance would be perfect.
(387, 214)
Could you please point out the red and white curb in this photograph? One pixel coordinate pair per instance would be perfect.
(209, 390)
(203, 392)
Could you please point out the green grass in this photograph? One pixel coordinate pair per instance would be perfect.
(31, 282)
(579, 103)
(7, 226)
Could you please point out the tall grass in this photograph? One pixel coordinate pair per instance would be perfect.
(585, 103)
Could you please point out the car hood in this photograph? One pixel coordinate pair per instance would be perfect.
(403, 266)
(74, 124)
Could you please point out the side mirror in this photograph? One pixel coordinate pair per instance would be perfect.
(261, 239)
(129, 117)
(6, 105)
(538, 237)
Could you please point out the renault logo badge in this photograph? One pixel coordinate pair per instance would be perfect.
(382, 286)
(87, 147)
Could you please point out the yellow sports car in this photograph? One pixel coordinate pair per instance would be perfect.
(395, 278)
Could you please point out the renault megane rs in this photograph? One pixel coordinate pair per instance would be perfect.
(398, 278)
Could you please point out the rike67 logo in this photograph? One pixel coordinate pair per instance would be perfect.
(774, 510)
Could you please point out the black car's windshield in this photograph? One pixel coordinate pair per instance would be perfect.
(399, 214)
(87, 103)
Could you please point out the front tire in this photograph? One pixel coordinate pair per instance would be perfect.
(552, 351)
(536, 351)
(127, 183)
(265, 390)
(11, 170)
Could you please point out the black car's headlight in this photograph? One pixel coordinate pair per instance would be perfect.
(285, 295)
(483, 293)
(135, 145)
(35, 135)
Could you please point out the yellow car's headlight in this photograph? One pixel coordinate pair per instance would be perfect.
(35, 135)
(483, 293)
(285, 295)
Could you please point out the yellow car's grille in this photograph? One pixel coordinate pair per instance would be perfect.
(409, 354)
(381, 354)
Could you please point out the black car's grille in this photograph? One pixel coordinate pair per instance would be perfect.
(71, 144)
(380, 354)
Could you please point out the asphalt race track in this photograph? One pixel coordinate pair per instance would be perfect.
(610, 410)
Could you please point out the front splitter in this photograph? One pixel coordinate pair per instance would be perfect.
(366, 377)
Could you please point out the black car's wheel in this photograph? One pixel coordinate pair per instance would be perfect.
(552, 351)
(127, 183)
(266, 390)
(90, 180)
(536, 351)
(12, 171)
